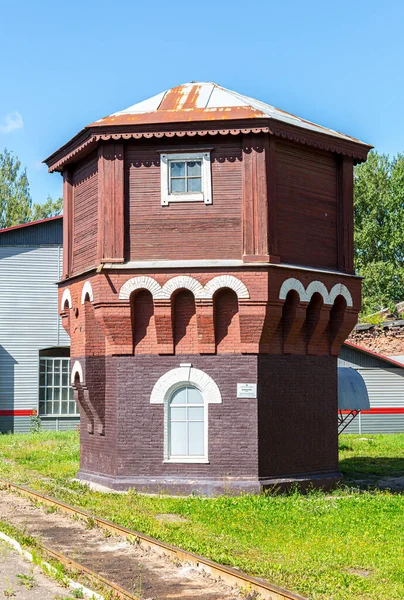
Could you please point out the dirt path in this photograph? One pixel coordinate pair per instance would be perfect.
(143, 573)
(21, 580)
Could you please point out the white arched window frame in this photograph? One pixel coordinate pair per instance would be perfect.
(167, 385)
(168, 425)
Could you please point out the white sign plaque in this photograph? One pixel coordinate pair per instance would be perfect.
(246, 390)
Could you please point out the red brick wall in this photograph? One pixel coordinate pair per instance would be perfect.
(181, 325)
(184, 322)
(143, 322)
(227, 322)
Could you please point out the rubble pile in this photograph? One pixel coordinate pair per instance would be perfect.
(386, 338)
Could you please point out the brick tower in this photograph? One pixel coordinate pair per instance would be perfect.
(208, 285)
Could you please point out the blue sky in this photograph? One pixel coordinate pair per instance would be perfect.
(66, 64)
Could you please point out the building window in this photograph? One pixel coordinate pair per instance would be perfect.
(55, 394)
(186, 178)
(187, 425)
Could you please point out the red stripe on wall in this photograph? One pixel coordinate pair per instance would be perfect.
(372, 411)
(16, 413)
(379, 411)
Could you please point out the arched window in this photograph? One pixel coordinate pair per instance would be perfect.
(187, 424)
(185, 393)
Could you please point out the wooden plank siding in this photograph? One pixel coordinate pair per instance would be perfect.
(306, 194)
(188, 230)
(85, 226)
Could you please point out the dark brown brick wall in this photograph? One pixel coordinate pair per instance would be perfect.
(133, 444)
(291, 431)
(97, 450)
(297, 414)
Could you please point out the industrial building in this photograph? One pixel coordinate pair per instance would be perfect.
(34, 347)
(384, 380)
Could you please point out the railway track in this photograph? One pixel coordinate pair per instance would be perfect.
(227, 575)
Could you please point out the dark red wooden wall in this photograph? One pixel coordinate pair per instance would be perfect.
(302, 192)
(85, 215)
(183, 230)
(306, 201)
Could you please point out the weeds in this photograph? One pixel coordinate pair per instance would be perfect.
(28, 581)
(35, 422)
(90, 523)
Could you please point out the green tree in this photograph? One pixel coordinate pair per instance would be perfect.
(379, 230)
(15, 198)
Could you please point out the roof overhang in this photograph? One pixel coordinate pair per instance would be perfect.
(88, 138)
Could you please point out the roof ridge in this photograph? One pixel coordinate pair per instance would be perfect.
(37, 222)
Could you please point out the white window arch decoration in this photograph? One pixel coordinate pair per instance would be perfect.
(76, 370)
(87, 290)
(176, 384)
(317, 287)
(138, 283)
(305, 294)
(292, 284)
(182, 282)
(227, 281)
(67, 297)
(339, 289)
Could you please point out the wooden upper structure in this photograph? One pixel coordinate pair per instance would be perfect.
(282, 187)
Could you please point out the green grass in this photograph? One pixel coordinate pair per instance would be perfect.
(338, 546)
(372, 457)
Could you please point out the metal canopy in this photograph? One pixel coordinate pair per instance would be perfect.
(352, 396)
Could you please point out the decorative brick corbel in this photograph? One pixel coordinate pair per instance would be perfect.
(271, 340)
(338, 332)
(316, 333)
(85, 405)
(65, 316)
(164, 326)
(116, 322)
(293, 330)
(252, 316)
(206, 326)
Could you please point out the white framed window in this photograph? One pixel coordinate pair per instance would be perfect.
(56, 396)
(186, 425)
(185, 393)
(185, 177)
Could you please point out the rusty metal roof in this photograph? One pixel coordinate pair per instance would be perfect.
(201, 101)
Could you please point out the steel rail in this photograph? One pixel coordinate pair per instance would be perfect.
(228, 575)
(117, 590)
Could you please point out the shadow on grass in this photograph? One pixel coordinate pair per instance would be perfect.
(375, 472)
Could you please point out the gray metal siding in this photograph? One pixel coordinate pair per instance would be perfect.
(22, 424)
(350, 357)
(385, 387)
(29, 321)
(39, 234)
(382, 424)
